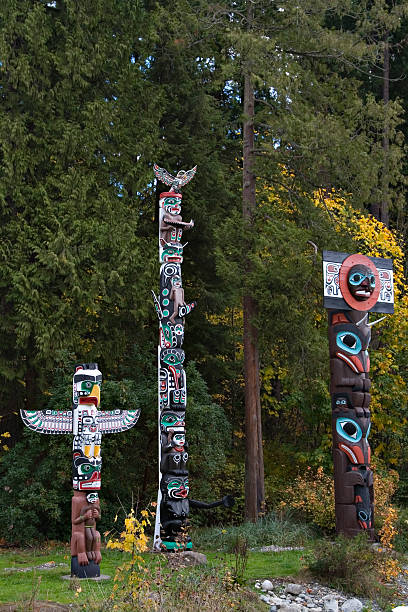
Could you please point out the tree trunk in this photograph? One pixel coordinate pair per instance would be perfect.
(384, 212)
(254, 465)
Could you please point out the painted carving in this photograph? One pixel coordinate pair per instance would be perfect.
(171, 307)
(173, 505)
(87, 424)
(354, 286)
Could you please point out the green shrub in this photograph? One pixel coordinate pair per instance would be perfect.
(352, 565)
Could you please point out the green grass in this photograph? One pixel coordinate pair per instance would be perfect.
(19, 586)
(272, 529)
(265, 565)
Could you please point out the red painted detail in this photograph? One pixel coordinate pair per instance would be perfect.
(90, 399)
(353, 361)
(358, 453)
(368, 363)
(363, 524)
(176, 376)
(339, 318)
(78, 368)
(170, 194)
(348, 263)
(181, 493)
(358, 499)
(368, 454)
(354, 469)
(347, 450)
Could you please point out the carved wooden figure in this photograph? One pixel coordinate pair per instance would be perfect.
(173, 505)
(354, 285)
(87, 424)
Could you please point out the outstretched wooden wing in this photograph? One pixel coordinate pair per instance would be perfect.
(48, 421)
(186, 176)
(163, 176)
(115, 421)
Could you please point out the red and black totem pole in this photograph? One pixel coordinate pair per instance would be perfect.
(354, 286)
(173, 505)
(86, 422)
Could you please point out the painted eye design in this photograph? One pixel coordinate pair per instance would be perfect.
(349, 342)
(371, 278)
(356, 278)
(85, 469)
(349, 429)
(169, 419)
(173, 484)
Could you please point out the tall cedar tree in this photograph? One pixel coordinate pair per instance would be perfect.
(311, 129)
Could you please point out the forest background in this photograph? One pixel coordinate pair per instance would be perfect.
(91, 95)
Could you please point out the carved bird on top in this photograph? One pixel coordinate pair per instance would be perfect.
(176, 182)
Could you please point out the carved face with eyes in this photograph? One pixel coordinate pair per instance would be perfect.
(361, 282)
(351, 437)
(350, 343)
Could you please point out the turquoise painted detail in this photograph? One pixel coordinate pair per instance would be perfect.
(177, 545)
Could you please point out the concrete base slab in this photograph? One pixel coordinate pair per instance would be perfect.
(95, 579)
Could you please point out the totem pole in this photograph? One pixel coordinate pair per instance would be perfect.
(87, 424)
(354, 286)
(172, 503)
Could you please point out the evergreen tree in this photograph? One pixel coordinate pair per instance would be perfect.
(78, 127)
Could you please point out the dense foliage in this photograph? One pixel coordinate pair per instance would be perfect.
(91, 94)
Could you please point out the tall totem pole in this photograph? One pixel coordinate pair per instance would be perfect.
(354, 286)
(87, 424)
(172, 505)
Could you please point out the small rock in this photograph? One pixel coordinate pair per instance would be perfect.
(315, 610)
(193, 558)
(291, 608)
(276, 601)
(273, 608)
(265, 598)
(267, 585)
(352, 605)
(330, 604)
(294, 589)
(400, 609)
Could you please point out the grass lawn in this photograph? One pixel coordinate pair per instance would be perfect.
(48, 585)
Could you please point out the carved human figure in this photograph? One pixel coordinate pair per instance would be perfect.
(171, 223)
(88, 515)
(85, 547)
